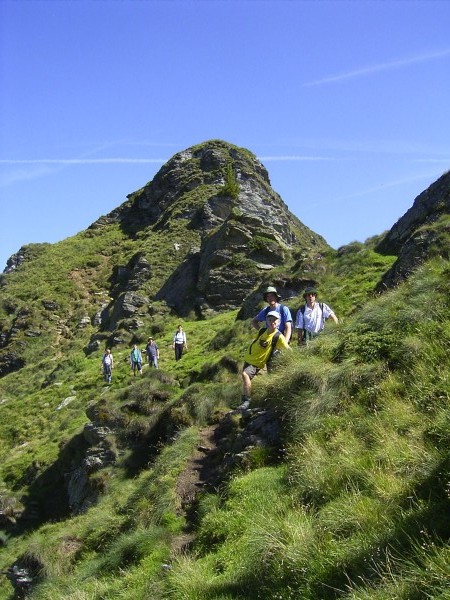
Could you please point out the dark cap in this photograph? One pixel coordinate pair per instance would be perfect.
(310, 290)
(271, 290)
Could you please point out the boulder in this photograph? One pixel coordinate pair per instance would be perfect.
(126, 306)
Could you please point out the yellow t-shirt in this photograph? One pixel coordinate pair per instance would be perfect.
(259, 351)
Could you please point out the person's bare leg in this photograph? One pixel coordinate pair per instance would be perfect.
(246, 385)
(246, 391)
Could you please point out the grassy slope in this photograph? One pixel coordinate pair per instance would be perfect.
(357, 508)
(360, 507)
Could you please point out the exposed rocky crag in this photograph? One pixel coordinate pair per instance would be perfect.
(420, 233)
(25, 253)
(239, 228)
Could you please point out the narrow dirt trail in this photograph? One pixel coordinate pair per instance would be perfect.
(201, 469)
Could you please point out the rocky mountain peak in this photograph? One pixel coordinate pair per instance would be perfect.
(203, 236)
(202, 184)
(232, 229)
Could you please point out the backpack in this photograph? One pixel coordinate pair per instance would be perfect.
(302, 308)
(276, 335)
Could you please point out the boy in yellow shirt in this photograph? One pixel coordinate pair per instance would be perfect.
(259, 354)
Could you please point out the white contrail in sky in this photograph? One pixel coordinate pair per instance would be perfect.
(395, 64)
(27, 169)
(79, 161)
(292, 158)
(97, 161)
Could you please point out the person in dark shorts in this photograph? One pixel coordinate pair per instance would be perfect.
(268, 341)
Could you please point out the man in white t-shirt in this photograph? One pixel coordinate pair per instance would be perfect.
(179, 342)
(107, 365)
(311, 317)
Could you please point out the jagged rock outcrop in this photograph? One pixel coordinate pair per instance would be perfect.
(99, 454)
(237, 229)
(422, 232)
(24, 254)
(21, 578)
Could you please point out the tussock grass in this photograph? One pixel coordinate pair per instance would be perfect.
(357, 508)
(121, 543)
(363, 408)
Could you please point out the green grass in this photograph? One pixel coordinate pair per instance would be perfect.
(358, 506)
(361, 469)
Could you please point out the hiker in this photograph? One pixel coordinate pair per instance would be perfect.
(152, 351)
(268, 341)
(311, 317)
(179, 342)
(272, 298)
(107, 365)
(136, 360)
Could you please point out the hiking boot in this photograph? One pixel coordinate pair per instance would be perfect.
(244, 404)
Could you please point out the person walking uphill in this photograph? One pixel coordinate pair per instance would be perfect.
(136, 360)
(311, 317)
(107, 365)
(272, 298)
(179, 342)
(152, 352)
(260, 352)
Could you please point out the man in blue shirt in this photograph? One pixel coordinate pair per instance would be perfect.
(272, 298)
(152, 351)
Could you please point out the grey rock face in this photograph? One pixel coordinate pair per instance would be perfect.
(140, 272)
(100, 315)
(427, 207)
(9, 362)
(25, 253)
(128, 305)
(98, 456)
(243, 228)
(421, 233)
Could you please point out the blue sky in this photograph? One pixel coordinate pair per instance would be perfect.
(345, 103)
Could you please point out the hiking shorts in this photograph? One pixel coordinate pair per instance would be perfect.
(309, 335)
(250, 370)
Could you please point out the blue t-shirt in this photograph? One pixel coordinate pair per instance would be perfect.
(152, 349)
(283, 311)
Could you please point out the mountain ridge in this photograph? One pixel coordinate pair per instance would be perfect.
(205, 235)
(334, 484)
(193, 240)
